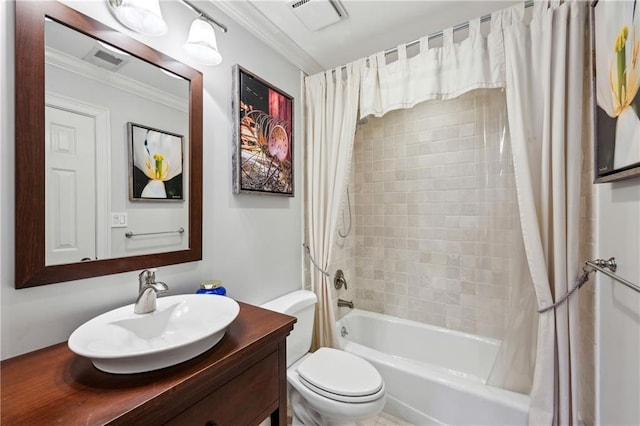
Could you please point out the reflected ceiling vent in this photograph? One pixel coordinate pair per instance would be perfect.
(105, 59)
(317, 14)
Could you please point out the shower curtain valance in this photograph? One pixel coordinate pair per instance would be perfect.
(437, 73)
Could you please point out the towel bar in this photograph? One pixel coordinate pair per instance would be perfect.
(131, 234)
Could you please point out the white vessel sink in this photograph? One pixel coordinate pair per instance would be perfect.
(182, 327)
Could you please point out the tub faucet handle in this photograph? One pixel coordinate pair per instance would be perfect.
(339, 280)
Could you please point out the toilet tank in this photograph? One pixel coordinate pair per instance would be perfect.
(300, 304)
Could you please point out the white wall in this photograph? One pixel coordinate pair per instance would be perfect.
(251, 243)
(618, 307)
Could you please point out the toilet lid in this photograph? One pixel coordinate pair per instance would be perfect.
(341, 376)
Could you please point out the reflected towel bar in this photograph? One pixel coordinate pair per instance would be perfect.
(131, 234)
(608, 267)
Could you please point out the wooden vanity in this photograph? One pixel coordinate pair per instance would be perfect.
(240, 381)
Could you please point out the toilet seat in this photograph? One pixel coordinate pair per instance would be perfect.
(340, 376)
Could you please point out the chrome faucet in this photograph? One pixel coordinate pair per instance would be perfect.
(148, 290)
(345, 304)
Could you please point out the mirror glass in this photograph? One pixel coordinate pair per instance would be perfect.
(108, 150)
(101, 204)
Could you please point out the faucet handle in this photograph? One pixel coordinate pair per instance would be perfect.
(339, 280)
(148, 291)
(151, 275)
(147, 276)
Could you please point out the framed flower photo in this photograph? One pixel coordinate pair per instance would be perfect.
(616, 53)
(262, 136)
(155, 164)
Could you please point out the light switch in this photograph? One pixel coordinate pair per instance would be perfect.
(118, 220)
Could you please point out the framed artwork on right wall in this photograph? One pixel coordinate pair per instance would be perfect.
(616, 60)
(262, 136)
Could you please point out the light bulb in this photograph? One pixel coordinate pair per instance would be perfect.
(202, 44)
(142, 16)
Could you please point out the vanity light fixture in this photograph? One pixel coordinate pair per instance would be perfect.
(201, 43)
(144, 16)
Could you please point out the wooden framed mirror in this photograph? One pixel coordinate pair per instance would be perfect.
(33, 221)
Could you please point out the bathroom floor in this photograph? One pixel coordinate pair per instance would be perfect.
(383, 419)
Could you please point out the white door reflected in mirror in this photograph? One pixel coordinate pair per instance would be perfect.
(71, 187)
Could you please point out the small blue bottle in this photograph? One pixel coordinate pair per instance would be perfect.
(212, 287)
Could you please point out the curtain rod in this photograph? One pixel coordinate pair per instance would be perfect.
(462, 26)
(204, 15)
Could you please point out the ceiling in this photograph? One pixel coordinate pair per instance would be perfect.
(370, 26)
(76, 52)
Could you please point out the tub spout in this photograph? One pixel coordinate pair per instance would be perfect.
(345, 303)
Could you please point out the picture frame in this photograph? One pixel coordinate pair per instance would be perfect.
(615, 40)
(263, 145)
(155, 164)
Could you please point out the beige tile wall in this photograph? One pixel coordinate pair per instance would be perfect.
(435, 211)
(344, 250)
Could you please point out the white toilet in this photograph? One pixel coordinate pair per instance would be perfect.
(329, 386)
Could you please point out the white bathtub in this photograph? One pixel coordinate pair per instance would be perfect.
(432, 375)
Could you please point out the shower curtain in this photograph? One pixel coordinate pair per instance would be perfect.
(540, 65)
(545, 65)
(331, 115)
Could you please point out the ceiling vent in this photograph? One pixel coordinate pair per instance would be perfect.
(103, 59)
(317, 14)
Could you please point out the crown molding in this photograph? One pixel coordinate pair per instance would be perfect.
(253, 21)
(70, 63)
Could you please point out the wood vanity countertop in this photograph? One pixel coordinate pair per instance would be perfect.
(55, 386)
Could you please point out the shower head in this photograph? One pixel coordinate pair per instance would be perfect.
(361, 122)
